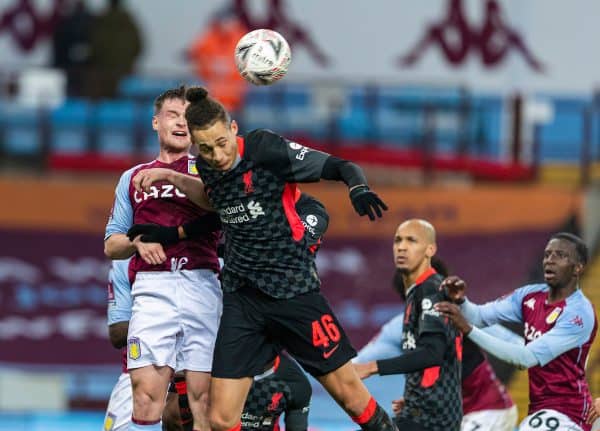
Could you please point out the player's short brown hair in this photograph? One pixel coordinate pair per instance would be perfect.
(173, 93)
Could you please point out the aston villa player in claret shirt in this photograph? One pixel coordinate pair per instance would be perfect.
(177, 297)
(270, 282)
(559, 328)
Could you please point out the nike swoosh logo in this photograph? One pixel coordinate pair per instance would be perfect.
(329, 353)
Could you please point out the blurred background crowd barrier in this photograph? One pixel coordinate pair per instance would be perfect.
(470, 114)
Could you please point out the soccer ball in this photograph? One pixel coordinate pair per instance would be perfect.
(262, 56)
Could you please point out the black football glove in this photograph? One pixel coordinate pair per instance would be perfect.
(367, 202)
(151, 232)
(202, 225)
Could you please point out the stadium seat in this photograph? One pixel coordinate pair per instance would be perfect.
(115, 124)
(150, 141)
(561, 139)
(300, 113)
(70, 127)
(260, 109)
(147, 88)
(354, 119)
(21, 130)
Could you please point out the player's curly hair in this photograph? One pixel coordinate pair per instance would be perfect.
(580, 246)
(203, 111)
(173, 93)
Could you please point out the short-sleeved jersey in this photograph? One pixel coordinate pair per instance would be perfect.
(433, 396)
(560, 336)
(167, 206)
(265, 242)
(119, 298)
(283, 389)
(119, 292)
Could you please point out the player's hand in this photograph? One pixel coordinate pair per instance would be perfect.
(144, 179)
(398, 405)
(365, 370)
(454, 288)
(452, 311)
(151, 232)
(367, 202)
(151, 252)
(594, 412)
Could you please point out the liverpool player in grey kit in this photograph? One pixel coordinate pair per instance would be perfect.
(432, 346)
(271, 287)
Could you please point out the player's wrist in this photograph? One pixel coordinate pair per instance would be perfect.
(358, 187)
(181, 232)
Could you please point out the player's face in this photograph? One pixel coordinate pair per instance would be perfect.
(412, 248)
(217, 145)
(171, 127)
(561, 265)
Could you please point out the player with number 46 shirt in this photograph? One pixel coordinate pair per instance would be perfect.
(271, 296)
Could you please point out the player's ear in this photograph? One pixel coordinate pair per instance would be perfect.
(579, 268)
(430, 250)
(234, 127)
(155, 123)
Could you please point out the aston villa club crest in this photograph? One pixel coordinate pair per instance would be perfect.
(553, 315)
(192, 169)
(134, 349)
(109, 422)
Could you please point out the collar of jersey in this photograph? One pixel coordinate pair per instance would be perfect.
(421, 278)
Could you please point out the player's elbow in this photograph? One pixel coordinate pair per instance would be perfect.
(117, 341)
(109, 250)
(115, 250)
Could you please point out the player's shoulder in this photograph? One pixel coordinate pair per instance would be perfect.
(531, 289)
(259, 137)
(130, 173)
(431, 285)
(579, 303)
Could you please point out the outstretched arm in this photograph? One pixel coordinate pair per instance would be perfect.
(429, 353)
(568, 333)
(364, 201)
(300, 164)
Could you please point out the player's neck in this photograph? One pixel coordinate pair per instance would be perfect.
(413, 277)
(169, 156)
(557, 294)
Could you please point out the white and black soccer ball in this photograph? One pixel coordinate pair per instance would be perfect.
(262, 56)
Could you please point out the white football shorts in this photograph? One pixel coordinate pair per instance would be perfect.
(174, 319)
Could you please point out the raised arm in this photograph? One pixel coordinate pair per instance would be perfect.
(300, 164)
